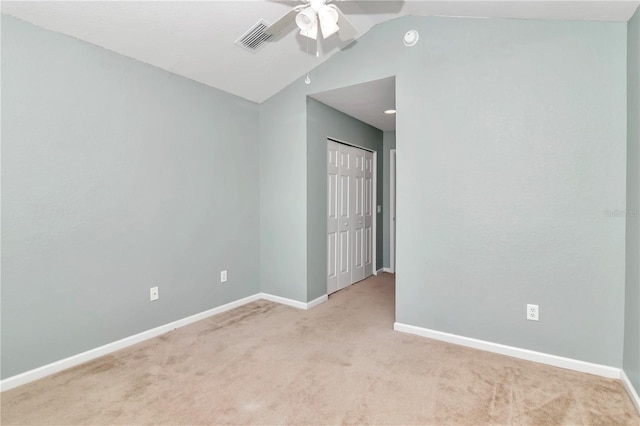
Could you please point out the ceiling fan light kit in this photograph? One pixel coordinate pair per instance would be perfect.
(315, 16)
(317, 10)
(328, 16)
(307, 21)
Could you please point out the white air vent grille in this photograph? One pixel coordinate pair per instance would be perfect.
(255, 38)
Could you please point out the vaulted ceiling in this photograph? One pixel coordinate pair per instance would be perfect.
(196, 39)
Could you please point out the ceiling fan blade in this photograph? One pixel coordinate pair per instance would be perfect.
(282, 23)
(347, 31)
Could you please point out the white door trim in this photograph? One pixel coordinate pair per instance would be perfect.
(392, 211)
(329, 138)
(374, 207)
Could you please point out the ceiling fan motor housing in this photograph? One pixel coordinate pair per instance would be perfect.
(317, 4)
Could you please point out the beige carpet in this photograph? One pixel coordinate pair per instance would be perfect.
(338, 363)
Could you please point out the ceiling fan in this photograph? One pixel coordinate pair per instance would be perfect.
(315, 17)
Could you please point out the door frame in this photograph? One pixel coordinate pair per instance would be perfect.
(374, 200)
(392, 211)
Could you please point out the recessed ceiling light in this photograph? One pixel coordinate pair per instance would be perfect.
(410, 38)
(390, 111)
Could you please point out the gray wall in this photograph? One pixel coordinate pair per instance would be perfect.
(116, 176)
(632, 310)
(513, 141)
(388, 143)
(325, 122)
(283, 189)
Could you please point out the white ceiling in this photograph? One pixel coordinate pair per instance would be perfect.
(196, 39)
(366, 102)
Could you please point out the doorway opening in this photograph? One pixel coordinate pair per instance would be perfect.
(353, 116)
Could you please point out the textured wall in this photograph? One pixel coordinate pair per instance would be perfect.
(513, 141)
(116, 177)
(632, 296)
(325, 122)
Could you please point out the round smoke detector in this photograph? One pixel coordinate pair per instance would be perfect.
(410, 38)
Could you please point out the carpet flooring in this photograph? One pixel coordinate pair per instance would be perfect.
(338, 363)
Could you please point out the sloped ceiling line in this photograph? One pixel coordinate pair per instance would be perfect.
(159, 33)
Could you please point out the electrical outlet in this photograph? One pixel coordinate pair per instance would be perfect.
(532, 313)
(153, 293)
(223, 276)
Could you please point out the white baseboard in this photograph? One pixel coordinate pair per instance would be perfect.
(317, 301)
(389, 270)
(283, 301)
(529, 355)
(294, 303)
(630, 390)
(72, 361)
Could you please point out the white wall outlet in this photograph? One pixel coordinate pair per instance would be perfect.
(532, 313)
(153, 293)
(223, 276)
(379, 209)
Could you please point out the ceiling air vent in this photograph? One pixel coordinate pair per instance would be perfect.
(255, 38)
